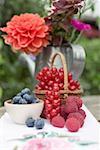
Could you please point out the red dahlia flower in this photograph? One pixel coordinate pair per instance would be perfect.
(27, 33)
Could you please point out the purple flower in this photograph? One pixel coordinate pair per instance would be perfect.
(80, 26)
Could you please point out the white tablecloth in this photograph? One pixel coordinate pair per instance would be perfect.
(9, 131)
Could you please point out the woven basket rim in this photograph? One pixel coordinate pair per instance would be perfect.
(66, 91)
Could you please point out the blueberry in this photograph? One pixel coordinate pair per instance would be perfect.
(39, 124)
(19, 94)
(35, 100)
(22, 101)
(30, 122)
(28, 98)
(16, 99)
(26, 91)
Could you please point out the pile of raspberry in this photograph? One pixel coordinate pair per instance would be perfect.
(71, 116)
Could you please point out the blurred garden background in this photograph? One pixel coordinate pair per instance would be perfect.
(14, 76)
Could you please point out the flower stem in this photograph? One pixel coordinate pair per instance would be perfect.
(79, 36)
(72, 36)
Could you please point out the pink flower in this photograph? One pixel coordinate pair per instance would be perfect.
(48, 144)
(27, 33)
(80, 26)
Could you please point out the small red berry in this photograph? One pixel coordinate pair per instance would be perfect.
(61, 86)
(61, 70)
(49, 107)
(54, 70)
(53, 112)
(50, 83)
(45, 69)
(58, 121)
(71, 82)
(78, 101)
(57, 80)
(71, 107)
(82, 112)
(56, 88)
(78, 116)
(56, 95)
(72, 88)
(46, 87)
(58, 109)
(48, 116)
(48, 93)
(47, 101)
(50, 88)
(51, 97)
(63, 113)
(69, 76)
(72, 124)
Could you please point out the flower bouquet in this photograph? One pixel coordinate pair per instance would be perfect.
(29, 33)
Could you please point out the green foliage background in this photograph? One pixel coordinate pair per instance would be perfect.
(14, 76)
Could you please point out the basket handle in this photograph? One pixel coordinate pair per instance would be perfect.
(64, 67)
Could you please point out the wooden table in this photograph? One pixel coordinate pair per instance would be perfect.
(91, 102)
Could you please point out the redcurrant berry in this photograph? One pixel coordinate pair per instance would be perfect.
(49, 107)
(69, 76)
(47, 101)
(56, 95)
(61, 76)
(45, 69)
(56, 88)
(48, 116)
(50, 83)
(57, 80)
(50, 88)
(61, 86)
(42, 84)
(53, 113)
(61, 70)
(54, 70)
(58, 109)
(46, 87)
(51, 97)
(72, 88)
(48, 93)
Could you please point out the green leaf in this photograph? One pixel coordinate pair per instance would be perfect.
(1, 92)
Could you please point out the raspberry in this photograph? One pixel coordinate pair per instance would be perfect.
(78, 116)
(76, 99)
(71, 107)
(63, 113)
(79, 102)
(58, 121)
(72, 124)
(82, 112)
(70, 99)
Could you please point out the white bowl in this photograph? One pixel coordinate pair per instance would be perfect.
(20, 112)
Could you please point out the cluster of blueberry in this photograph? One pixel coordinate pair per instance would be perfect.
(25, 97)
(39, 123)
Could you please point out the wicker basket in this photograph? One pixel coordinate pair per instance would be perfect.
(63, 93)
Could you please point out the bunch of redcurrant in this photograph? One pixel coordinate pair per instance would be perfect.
(52, 103)
(47, 77)
(72, 84)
